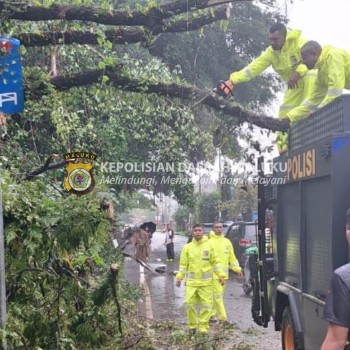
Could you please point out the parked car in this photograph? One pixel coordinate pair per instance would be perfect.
(242, 235)
(209, 226)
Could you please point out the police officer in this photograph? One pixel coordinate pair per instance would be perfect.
(284, 55)
(333, 66)
(198, 264)
(224, 249)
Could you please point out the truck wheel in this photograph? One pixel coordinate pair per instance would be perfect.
(289, 339)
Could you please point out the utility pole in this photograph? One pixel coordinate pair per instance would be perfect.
(2, 271)
(219, 185)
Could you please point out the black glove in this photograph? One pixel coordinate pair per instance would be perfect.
(225, 88)
(285, 123)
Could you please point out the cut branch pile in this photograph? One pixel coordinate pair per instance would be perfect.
(136, 244)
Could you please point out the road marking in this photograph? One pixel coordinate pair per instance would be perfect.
(148, 300)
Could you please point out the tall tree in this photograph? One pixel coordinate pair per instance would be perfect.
(208, 206)
(87, 90)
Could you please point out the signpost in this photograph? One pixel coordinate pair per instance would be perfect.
(11, 101)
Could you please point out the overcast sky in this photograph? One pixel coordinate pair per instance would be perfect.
(325, 21)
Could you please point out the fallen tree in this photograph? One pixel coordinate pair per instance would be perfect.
(185, 92)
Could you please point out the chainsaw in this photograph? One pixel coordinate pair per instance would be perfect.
(224, 89)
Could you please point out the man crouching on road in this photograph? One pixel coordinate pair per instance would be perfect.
(198, 263)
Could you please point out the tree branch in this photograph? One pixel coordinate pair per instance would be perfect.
(124, 35)
(147, 16)
(172, 90)
(47, 166)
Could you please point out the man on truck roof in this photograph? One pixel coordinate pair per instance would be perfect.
(333, 66)
(337, 308)
(284, 56)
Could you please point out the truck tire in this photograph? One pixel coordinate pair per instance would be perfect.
(289, 339)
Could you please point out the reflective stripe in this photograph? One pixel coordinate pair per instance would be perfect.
(217, 296)
(205, 307)
(311, 74)
(226, 270)
(248, 72)
(286, 108)
(307, 103)
(207, 276)
(188, 307)
(183, 269)
(334, 92)
(217, 268)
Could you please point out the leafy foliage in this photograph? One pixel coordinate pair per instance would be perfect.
(60, 292)
(54, 246)
(208, 206)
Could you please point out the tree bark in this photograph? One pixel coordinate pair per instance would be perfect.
(124, 35)
(146, 17)
(173, 90)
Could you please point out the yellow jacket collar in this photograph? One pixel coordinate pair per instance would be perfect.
(204, 238)
(322, 56)
(291, 35)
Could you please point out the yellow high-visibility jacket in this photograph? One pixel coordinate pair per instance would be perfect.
(198, 263)
(333, 76)
(284, 61)
(224, 249)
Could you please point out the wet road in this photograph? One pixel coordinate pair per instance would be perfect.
(167, 301)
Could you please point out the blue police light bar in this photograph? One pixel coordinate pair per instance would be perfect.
(11, 88)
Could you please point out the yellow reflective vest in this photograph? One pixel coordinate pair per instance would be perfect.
(198, 263)
(227, 258)
(333, 76)
(284, 61)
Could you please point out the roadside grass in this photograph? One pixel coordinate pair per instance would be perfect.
(168, 335)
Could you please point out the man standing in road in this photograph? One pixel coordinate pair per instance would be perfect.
(337, 308)
(224, 250)
(198, 264)
(169, 243)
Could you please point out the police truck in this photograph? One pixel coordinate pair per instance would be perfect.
(309, 204)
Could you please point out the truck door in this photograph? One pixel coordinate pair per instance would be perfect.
(261, 263)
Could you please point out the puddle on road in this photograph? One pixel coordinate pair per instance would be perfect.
(167, 299)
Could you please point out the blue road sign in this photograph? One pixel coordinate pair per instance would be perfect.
(11, 89)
